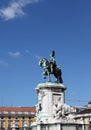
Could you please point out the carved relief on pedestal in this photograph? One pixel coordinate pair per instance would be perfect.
(57, 106)
(41, 95)
(60, 110)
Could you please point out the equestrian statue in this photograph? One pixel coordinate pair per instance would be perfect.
(50, 67)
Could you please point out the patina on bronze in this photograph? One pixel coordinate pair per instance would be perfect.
(50, 67)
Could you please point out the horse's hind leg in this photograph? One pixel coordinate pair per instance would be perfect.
(49, 77)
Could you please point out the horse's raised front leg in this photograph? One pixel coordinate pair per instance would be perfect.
(44, 75)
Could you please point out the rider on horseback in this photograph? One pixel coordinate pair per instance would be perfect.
(50, 67)
(52, 61)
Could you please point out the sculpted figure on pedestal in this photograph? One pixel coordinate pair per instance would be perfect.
(50, 67)
(60, 110)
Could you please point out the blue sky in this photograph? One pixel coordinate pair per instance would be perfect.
(30, 29)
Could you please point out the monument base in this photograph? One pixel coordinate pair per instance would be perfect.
(51, 110)
(51, 97)
(64, 125)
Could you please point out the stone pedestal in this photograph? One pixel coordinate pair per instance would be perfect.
(50, 95)
(51, 109)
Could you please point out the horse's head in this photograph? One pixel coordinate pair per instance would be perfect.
(43, 62)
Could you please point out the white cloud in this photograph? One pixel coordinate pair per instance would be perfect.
(15, 9)
(28, 52)
(37, 57)
(3, 63)
(33, 55)
(14, 54)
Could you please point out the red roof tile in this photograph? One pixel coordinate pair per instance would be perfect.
(18, 109)
(86, 111)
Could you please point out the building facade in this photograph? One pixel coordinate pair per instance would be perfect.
(16, 117)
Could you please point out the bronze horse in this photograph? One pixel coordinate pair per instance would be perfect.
(46, 65)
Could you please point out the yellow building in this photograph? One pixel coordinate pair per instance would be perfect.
(84, 117)
(16, 117)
